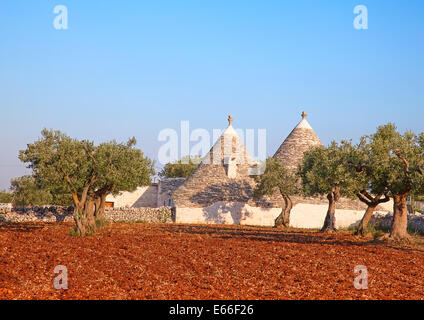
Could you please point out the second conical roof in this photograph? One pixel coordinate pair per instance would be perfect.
(302, 138)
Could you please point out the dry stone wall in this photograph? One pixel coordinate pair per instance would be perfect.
(65, 214)
(33, 214)
(5, 207)
(155, 215)
(415, 221)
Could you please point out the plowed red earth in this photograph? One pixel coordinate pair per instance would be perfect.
(166, 261)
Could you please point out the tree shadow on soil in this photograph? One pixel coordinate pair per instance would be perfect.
(277, 235)
(19, 227)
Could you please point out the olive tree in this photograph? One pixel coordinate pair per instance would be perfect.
(181, 168)
(26, 190)
(324, 172)
(86, 172)
(276, 177)
(396, 162)
(5, 197)
(371, 189)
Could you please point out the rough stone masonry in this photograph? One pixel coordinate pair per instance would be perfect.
(64, 214)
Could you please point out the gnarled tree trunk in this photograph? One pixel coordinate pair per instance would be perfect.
(100, 209)
(283, 220)
(400, 218)
(87, 209)
(84, 218)
(372, 204)
(330, 219)
(83, 221)
(366, 219)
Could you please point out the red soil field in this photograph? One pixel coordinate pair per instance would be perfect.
(168, 261)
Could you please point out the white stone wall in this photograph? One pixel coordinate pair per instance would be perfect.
(142, 197)
(312, 216)
(306, 216)
(228, 213)
(5, 207)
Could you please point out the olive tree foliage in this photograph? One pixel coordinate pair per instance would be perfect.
(181, 168)
(277, 178)
(5, 197)
(394, 165)
(371, 189)
(324, 172)
(86, 172)
(27, 191)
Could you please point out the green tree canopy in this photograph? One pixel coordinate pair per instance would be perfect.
(5, 197)
(277, 178)
(87, 172)
(181, 168)
(371, 189)
(324, 172)
(397, 160)
(26, 192)
(393, 162)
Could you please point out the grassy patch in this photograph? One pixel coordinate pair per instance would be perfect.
(73, 232)
(415, 232)
(100, 223)
(375, 231)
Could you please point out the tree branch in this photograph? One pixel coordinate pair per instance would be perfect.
(359, 167)
(363, 199)
(90, 154)
(368, 196)
(336, 193)
(385, 199)
(403, 159)
(68, 180)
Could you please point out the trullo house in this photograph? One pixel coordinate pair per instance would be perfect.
(220, 190)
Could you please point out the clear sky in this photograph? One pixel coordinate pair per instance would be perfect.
(133, 68)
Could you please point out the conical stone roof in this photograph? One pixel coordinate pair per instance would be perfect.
(302, 138)
(223, 174)
(229, 149)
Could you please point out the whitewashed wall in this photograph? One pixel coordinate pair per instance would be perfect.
(306, 216)
(312, 216)
(228, 213)
(142, 197)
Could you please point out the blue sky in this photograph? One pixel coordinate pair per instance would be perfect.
(133, 68)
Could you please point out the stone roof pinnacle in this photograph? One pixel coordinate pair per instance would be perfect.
(230, 120)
